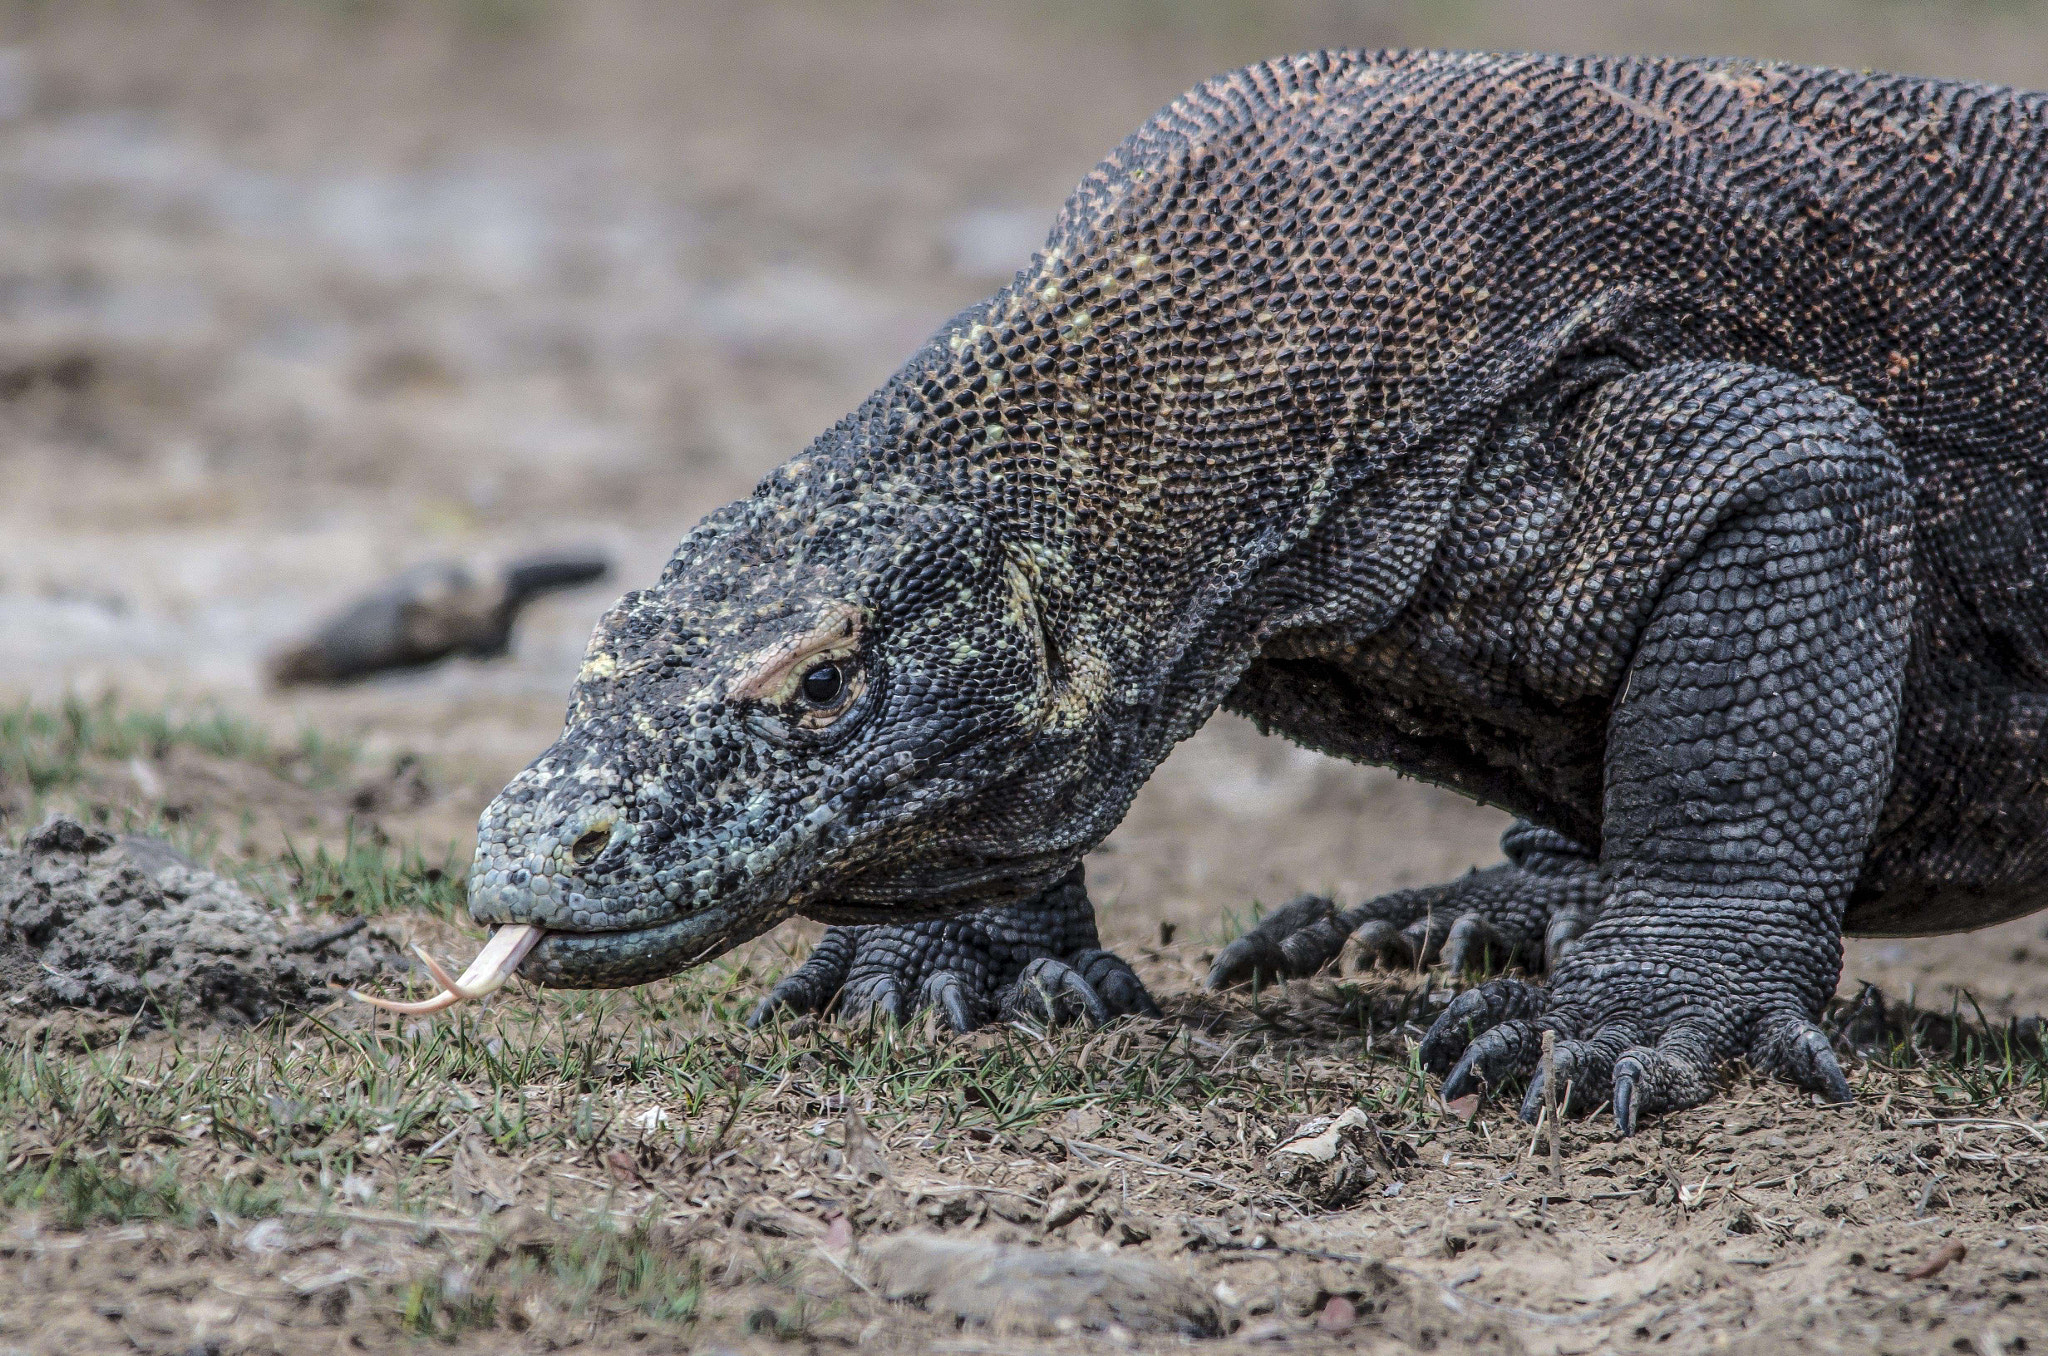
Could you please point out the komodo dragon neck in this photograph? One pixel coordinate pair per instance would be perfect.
(1166, 406)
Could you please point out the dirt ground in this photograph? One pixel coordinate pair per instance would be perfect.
(296, 294)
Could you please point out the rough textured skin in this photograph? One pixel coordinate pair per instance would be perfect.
(1646, 446)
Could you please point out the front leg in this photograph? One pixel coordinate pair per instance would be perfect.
(1039, 958)
(1747, 758)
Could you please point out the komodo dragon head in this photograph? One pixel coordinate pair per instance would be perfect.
(824, 705)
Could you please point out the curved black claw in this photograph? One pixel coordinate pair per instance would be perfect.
(814, 985)
(1794, 1048)
(1298, 939)
(1118, 984)
(1473, 943)
(1052, 992)
(1469, 1016)
(1625, 1107)
(948, 992)
(1497, 1056)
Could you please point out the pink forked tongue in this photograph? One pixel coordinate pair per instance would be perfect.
(492, 967)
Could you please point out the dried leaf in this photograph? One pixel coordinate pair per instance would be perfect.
(623, 1168)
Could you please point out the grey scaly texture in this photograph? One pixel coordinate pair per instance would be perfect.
(1649, 447)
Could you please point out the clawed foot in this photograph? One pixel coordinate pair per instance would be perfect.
(1616, 1047)
(1530, 911)
(1036, 961)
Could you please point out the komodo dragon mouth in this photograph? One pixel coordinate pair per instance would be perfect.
(570, 960)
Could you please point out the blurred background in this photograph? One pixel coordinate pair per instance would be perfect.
(295, 294)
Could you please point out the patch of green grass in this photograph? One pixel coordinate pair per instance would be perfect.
(75, 1192)
(45, 748)
(370, 877)
(1964, 1057)
(629, 1267)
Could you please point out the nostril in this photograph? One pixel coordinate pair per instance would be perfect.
(589, 845)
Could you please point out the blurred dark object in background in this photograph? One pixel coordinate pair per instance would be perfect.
(426, 614)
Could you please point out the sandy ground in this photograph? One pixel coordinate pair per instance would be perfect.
(294, 296)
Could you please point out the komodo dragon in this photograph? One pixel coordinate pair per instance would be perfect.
(1652, 448)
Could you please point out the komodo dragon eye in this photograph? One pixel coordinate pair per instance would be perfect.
(823, 685)
(811, 682)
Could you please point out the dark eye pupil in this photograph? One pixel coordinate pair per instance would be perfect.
(822, 685)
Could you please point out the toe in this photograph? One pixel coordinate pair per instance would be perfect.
(1473, 1012)
(1792, 1047)
(1313, 947)
(1493, 1058)
(1474, 944)
(1425, 938)
(1380, 942)
(795, 994)
(812, 986)
(1648, 1079)
(1249, 957)
(1053, 992)
(1298, 939)
(1116, 982)
(949, 993)
(1560, 936)
(1580, 1069)
(768, 1007)
(874, 996)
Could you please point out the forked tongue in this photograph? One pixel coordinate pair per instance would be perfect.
(492, 967)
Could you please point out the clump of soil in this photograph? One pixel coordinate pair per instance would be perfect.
(127, 924)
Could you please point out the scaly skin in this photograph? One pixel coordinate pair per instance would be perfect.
(1649, 447)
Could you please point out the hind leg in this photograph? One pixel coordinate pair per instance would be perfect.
(1528, 911)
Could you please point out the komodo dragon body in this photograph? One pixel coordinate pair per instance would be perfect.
(1649, 447)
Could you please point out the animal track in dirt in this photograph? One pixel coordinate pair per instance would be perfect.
(128, 924)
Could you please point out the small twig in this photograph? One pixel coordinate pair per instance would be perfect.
(2038, 1129)
(317, 941)
(1927, 1194)
(442, 1142)
(1550, 1101)
(1185, 1174)
(840, 1266)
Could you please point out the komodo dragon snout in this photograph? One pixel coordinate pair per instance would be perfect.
(788, 718)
